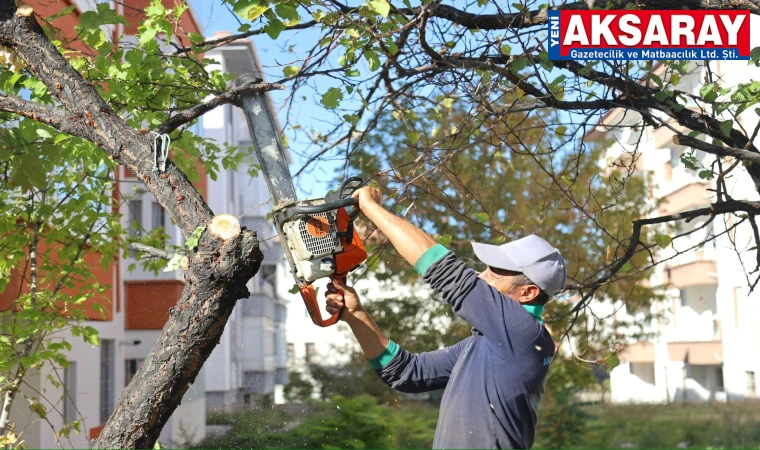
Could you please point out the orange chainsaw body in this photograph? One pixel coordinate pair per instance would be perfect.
(351, 257)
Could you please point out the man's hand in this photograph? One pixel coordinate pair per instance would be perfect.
(341, 296)
(368, 197)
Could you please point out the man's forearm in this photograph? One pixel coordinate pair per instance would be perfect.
(372, 340)
(409, 241)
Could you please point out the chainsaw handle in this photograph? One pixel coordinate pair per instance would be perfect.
(309, 297)
(324, 207)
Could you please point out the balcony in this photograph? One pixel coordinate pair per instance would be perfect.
(688, 270)
(640, 352)
(708, 353)
(695, 315)
(684, 192)
(691, 261)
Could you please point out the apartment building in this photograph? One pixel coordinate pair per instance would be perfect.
(251, 358)
(707, 340)
(137, 306)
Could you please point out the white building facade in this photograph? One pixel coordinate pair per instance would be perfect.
(708, 340)
(251, 358)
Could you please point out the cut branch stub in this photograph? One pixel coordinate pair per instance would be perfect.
(224, 226)
(25, 10)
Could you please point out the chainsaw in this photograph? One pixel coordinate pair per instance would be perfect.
(317, 235)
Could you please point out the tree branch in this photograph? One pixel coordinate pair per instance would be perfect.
(743, 155)
(56, 118)
(232, 97)
(152, 251)
(94, 120)
(218, 42)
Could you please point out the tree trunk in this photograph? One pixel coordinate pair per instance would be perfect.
(214, 281)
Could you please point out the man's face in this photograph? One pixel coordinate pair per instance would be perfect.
(503, 281)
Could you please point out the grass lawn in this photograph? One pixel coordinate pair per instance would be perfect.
(357, 423)
(699, 425)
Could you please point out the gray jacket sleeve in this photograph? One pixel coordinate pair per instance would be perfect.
(429, 371)
(506, 325)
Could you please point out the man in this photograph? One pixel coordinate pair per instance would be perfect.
(494, 378)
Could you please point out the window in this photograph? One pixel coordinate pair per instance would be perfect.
(291, 352)
(130, 369)
(751, 386)
(310, 353)
(268, 274)
(719, 379)
(675, 158)
(682, 294)
(644, 371)
(107, 388)
(157, 216)
(70, 393)
(135, 221)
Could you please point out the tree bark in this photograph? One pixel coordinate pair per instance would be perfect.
(217, 273)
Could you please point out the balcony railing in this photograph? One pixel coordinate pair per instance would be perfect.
(696, 329)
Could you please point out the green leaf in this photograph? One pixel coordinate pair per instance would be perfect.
(657, 80)
(448, 102)
(60, 137)
(351, 118)
(413, 137)
(294, 289)
(28, 130)
(754, 55)
(147, 35)
(662, 240)
(155, 9)
(373, 61)
(560, 130)
(61, 13)
(331, 99)
(286, 11)
(726, 127)
(274, 28)
(290, 71)
(38, 408)
(352, 72)
(381, 7)
(506, 49)
(254, 12)
(482, 217)
(92, 20)
(519, 64)
(192, 241)
(174, 263)
(196, 38)
(444, 240)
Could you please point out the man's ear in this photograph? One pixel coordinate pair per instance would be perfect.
(528, 293)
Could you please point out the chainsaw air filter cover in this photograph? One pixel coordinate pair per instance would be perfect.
(313, 240)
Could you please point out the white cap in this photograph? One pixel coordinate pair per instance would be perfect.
(531, 256)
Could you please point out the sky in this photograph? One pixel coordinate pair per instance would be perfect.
(214, 16)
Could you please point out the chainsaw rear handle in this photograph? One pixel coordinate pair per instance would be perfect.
(294, 211)
(309, 297)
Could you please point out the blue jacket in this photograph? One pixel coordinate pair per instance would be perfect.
(494, 379)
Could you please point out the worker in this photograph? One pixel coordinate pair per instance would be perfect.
(493, 379)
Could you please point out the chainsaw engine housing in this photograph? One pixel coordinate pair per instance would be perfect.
(313, 241)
